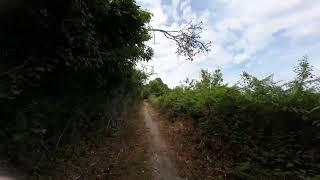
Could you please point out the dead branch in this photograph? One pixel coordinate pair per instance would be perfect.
(187, 39)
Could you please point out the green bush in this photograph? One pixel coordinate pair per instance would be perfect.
(270, 129)
(155, 87)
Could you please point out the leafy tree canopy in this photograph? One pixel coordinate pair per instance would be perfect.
(66, 70)
(155, 87)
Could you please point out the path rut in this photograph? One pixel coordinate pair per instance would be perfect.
(163, 167)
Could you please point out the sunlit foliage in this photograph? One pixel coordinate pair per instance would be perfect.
(269, 129)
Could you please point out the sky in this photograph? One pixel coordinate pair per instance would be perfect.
(259, 37)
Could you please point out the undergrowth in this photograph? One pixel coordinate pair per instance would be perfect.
(67, 72)
(272, 130)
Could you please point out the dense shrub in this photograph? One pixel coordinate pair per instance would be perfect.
(270, 129)
(66, 72)
(155, 87)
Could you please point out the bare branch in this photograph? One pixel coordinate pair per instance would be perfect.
(187, 39)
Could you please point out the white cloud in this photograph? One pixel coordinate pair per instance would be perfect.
(239, 29)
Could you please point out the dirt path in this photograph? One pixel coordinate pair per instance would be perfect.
(137, 152)
(121, 156)
(189, 148)
(163, 167)
(151, 146)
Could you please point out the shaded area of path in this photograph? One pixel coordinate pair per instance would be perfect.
(121, 156)
(137, 151)
(5, 173)
(8, 172)
(163, 167)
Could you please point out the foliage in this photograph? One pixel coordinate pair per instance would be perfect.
(155, 87)
(66, 73)
(270, 130)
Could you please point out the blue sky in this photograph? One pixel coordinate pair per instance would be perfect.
(259, 37)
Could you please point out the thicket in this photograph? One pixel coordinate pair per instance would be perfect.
(155, 88)
(271, 130)
(66, 74)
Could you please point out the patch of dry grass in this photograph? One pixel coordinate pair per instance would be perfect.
(119, 157)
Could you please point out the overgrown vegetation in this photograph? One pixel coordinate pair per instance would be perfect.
(269, 129)
(66, 75)
(155, 88)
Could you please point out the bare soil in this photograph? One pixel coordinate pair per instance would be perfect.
(151, 147)
(123, 156)
(160, 156)
(194, 160)
(137, 152)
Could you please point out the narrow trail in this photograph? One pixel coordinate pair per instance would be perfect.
(147, 147)
(163, 167)
(139, 151)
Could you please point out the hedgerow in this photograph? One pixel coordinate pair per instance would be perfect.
(271, 130)
(67, 73)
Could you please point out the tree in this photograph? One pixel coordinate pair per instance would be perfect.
(210, 80)
(303, 75)
(67, 71)
(187, 39)
(155, 87)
